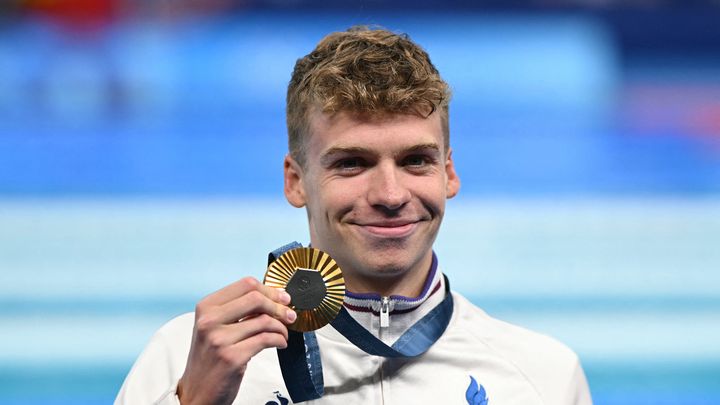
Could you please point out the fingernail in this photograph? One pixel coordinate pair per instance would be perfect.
(291, 315)
(285, 297)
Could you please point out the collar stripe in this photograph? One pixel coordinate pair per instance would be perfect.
(358, 308)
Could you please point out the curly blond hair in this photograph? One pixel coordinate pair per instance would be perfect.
(367, 71)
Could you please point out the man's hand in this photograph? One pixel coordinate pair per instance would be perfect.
(231, 326)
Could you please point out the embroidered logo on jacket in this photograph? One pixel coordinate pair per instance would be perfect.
(475, 393)
(283, 400)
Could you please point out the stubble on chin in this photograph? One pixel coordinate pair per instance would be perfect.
(387, 257)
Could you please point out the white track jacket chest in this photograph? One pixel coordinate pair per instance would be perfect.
(476, 353)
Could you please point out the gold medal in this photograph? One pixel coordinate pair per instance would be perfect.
(315, 284)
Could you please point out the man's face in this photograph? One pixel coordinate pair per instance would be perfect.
(375, 191)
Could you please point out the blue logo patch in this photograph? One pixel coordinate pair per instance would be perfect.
(475, 393)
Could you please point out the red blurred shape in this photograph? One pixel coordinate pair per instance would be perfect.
(686, 109)
(76, 15)
(707, 120)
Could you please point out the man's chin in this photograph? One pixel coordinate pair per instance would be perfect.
(390, 270)
(392, 266)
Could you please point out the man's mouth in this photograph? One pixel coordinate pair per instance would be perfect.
(390, 228)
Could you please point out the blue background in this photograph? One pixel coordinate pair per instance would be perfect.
(140, 169)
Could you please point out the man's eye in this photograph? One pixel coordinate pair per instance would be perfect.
(416, 160)
(349, 164)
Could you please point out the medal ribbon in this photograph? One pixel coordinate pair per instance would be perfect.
(300, 361)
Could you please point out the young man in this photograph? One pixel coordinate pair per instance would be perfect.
(370, 161)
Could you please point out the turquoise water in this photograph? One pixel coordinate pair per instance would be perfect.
(632, 285)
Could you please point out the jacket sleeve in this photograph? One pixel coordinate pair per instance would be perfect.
(154, 376)
(579, 391)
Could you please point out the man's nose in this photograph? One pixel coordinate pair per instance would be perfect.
(387, 189)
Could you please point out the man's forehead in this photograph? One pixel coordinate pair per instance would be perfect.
(350, 130)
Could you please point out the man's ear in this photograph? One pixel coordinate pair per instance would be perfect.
(453, 181)
(294, 190)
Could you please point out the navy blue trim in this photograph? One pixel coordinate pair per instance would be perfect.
(414, 342)
(314, 362)
(300, 362)
(426, 288)
(272, 256)
(425, 332)
(360, 308)
(299, 381)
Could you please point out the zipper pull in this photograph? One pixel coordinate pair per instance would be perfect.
(385, 312)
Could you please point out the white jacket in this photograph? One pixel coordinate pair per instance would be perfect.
(513, 365)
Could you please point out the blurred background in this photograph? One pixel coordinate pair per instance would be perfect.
(141, 147)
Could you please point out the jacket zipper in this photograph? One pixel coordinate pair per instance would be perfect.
(384, 323)
(385, 312)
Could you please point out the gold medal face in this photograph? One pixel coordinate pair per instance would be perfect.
(315, 283)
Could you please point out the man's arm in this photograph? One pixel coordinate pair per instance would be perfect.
(579, 389)
(230, 326)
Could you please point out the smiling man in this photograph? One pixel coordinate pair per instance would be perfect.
(371, 163)
(375, 192)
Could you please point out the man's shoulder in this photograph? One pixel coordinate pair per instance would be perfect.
(178, 325)
(551, 367)
(506, 337)
(158, 368)
(175, 335)
(539, 357)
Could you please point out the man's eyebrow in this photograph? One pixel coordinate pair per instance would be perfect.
(423, 148)
(327, 157)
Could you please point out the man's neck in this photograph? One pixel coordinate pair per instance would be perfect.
(406, 284)
(388, 317)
